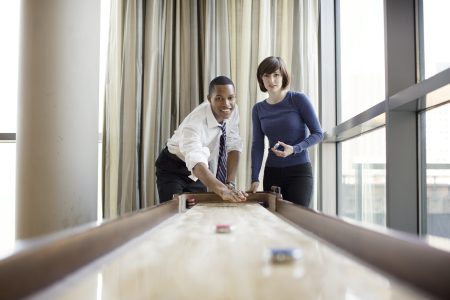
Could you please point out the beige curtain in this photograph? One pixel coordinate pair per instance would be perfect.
(122, 109)
(162, 55)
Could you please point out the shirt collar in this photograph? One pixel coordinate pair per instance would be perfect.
(210, 119)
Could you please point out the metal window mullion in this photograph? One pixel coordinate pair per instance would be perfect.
(7, 136)
(401, 125)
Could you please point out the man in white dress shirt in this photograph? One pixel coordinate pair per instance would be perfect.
(190, 160)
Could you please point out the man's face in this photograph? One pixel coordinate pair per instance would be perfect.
(223, 101)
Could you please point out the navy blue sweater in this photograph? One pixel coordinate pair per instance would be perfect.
(286, 121)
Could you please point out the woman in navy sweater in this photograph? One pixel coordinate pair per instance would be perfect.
(284, 118)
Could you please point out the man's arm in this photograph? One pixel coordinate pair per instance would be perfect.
(202, 172)
(232, 165)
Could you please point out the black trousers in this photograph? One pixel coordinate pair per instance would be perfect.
(296, 182)
(172, 177)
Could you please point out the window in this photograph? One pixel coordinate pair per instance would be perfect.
(360, 55)
(362, 186)
(7, 196)
(9, 56)
(9, 31)
(436, 44)
(360, 86)
(437, 205)
(435, 196)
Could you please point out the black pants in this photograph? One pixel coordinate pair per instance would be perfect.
(296, 182)
(172, 177)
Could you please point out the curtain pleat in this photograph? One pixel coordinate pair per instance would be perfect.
(152, 138)
(123, 109)
(162, 55)
(112, 108)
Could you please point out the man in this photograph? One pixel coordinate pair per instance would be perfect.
(204, 150)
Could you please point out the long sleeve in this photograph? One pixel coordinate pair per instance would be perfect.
(292, 121)
(257, 145)
(308, 114)
(197, 138)
(234, 141)
(191, 146)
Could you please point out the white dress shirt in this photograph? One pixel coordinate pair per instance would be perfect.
(197, 139)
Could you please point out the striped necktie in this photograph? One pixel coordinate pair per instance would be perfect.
(221, 174)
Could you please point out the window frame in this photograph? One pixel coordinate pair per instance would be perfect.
(405, 98)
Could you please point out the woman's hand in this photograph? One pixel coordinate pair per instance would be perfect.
(254, 186)
(288, 150)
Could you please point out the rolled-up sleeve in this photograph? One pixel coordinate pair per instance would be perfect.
(191, 147)
(234, 141)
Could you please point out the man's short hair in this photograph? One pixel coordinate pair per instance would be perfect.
(269, 66)
(219, 80)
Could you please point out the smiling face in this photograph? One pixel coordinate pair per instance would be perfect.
(223, 101)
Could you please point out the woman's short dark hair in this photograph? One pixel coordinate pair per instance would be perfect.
(270, 65)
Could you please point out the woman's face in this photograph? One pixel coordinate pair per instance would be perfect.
(273, 82)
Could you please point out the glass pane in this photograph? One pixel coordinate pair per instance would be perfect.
(7, 196)
(436, 28)
(438, 171)
(362, 190)
(361, 56)
(9, 56)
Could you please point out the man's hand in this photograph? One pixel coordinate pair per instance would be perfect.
(233, 195)
(204, 174)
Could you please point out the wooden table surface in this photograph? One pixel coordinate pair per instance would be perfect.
(184, 258)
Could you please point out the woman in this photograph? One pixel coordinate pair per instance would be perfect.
(283, 117)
